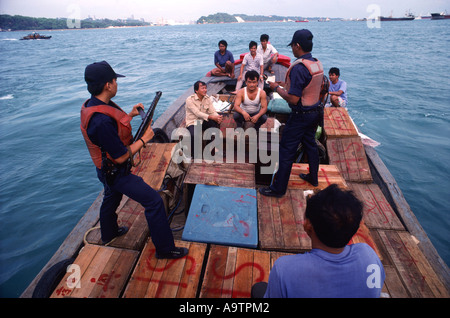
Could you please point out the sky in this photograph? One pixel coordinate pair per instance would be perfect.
(191, 10)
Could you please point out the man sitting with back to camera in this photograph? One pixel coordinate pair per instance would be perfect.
(251, 102)
(332, 268)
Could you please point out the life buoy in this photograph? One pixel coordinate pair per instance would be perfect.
(51, 278)
(160, 136)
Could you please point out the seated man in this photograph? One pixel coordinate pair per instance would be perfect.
(332, 268)
(200, 111)
(224, 61)
(251, 62)
(338, 89)
(251, 102)
(268, 52)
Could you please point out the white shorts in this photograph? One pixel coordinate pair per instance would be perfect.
(342, 102)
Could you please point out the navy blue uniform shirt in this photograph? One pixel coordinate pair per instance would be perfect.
(300, 78)
(103, 132)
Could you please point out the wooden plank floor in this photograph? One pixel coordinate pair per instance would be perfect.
(408, 273)
(232, 271)
(337, 123)
(155, 159)
(378, 213)
(100, 271)
(328, 174)
(280, 222)
(349, 156)
(222, 174)
(162, 278)
(211, 270)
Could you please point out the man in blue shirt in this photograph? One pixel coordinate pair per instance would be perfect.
(332, 268)
(224, 61)
(338, 88)
(303, 97)
(107, 131)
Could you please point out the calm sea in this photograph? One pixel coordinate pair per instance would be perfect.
(398, 78)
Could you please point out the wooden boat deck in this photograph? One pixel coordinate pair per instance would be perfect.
(210, 270)
(129, 269)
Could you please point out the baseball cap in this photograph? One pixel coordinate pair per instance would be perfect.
(304, 38)
(99, 73)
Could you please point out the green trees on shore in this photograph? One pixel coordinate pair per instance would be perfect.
(17, 22)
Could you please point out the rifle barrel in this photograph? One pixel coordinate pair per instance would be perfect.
(148, 117)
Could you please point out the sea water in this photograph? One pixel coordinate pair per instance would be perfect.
(398, 86)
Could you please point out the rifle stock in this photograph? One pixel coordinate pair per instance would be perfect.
(147, 118)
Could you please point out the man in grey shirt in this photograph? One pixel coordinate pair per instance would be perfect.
(251, 62)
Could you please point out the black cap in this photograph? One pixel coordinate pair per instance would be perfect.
(99, 73)
(304, 38)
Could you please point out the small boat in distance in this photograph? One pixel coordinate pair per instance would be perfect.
(36, 36)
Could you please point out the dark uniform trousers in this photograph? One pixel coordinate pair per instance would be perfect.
(301, 127)
(205, 125)
(135, 188)
(239, 119)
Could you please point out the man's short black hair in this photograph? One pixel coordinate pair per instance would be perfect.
(223, 42)
(252, 75)
(334, 70)
(252, 44)
(197, 85)
(96, 88)
(335, 215)
(264, 37)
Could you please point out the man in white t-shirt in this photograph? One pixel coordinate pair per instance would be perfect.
(251, 102)
(269, 53)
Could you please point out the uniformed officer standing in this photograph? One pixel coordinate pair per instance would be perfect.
(302, 92)
(107, 131)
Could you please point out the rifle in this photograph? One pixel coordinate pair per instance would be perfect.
(146, 117)
(146, 120)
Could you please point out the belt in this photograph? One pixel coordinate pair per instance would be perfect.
(307, 111)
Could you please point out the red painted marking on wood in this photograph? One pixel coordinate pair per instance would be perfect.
(339, 121)
(326, 176)
(105, 280)
(383, 204)
(62, 291)
(236, 272)
(162, 283)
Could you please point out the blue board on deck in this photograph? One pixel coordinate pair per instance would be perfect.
(223, 215)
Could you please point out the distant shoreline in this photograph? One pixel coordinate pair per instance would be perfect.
(24, 23)
(71, 29)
